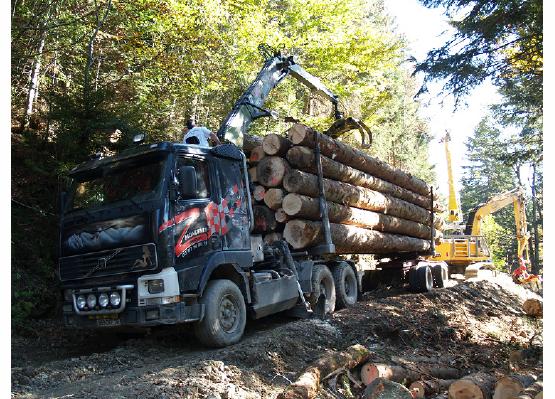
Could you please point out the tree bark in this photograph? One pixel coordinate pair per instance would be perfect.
(370, 371)
(350, 239)
(382, 388)
(256, 155)
(533, 307)
(274, 198)
(304, 159)
(340, 152)
(474, 386)
(344, 193)
(426, 388)
(300, 206)
(274, 144)
(249, 142)
(509, 386)
(308, 383)
(271, 170)
(33, 92)
(264, 219)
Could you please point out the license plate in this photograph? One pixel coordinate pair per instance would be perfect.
(108, 322)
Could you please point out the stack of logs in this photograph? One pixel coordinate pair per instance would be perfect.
(373, 207)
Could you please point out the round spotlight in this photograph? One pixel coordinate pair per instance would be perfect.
(103, 300)
(81, 302)
(115, 299)
(91, 301)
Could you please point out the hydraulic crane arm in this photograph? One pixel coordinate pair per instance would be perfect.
(249, 107)
(454, 208)
(496, 203)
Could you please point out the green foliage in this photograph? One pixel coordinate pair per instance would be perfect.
(499, 240)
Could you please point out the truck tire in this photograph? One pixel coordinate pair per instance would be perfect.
(346, 288)
(421, 279)
(225, 314)
(322, 283)
(440, 275)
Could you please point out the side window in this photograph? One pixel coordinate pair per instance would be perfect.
(201, 167)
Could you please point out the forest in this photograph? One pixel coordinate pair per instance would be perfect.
(88, 75)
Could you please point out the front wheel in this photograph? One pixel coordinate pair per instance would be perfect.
(322, 285)
(225, 314)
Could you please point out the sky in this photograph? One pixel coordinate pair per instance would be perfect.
(423, 30)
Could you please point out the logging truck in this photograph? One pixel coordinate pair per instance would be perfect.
(167, 233)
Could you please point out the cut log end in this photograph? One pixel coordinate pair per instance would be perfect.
(271, 170)
(274, 144)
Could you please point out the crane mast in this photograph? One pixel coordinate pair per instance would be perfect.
(454, 208)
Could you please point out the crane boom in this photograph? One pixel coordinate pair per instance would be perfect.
(454, 208)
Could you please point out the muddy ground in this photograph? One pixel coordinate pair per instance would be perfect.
(472, 325)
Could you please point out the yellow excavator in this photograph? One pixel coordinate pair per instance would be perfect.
(464, 248)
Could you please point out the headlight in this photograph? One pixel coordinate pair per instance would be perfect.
(115, 299)
(103, 300)
(91, 301)
(155, 286)
(81, 302)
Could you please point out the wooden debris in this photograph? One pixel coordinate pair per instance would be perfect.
(509, 386)
(474, 386)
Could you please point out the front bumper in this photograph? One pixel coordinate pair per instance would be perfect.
(144, 316)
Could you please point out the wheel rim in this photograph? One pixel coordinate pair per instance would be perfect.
(229, 313)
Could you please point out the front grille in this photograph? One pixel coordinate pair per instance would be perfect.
(136, 258)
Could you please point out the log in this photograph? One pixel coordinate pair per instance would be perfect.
(249, 142)
(509, 386)
(426, 388)
(271, 170)
(533, 307)
(308, 383)
(381, 388)
(272, 237)
(370, 371)
(304, 159)
(281, 216)
(534, 391)
(350, 239)
(264, 219)
(274, 144)
(301, 206)
(274, 198)
(257, 154)
(253, 176)
(344, 193)
(258, 193)
(340, 152)
(474, 386)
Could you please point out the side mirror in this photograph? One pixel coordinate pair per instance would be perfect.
(187, 182)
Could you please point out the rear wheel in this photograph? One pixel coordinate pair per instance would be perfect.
(440, 275)
(322, 284)
(421, 279)
(346, 287)
(225, 314)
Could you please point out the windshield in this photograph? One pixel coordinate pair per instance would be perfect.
(136, 181)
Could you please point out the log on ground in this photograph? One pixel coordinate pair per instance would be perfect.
(341, 152)
(427, 388)
(347, 194)
(304, 159)
(474, 386)
(274, 144)
(308, 383)
(533, 307)
(370, 371)
(271, 170)
(274, 198)
(382, 388)
(509, 386)
(301, 206)
(350, 239)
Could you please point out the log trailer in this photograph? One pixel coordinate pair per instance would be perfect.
(162, 234)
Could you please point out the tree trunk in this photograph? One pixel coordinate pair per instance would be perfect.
(536, 257)
(256, 155)
(426, 388)
(308, 383)
(304, 159)
(274, 198)
(258, 193)
(32, 94)
(381, 388)
(271, 170)
(264, 219)
(301, 206)
(249, 142)
(344, 193)
(350, 239)
(340, 152)
(370, 371)
(509, 386)
(274, 144)
(281, 216)
(533, 307)
(474, 386)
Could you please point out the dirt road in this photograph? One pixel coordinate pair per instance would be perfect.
(473, 325)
